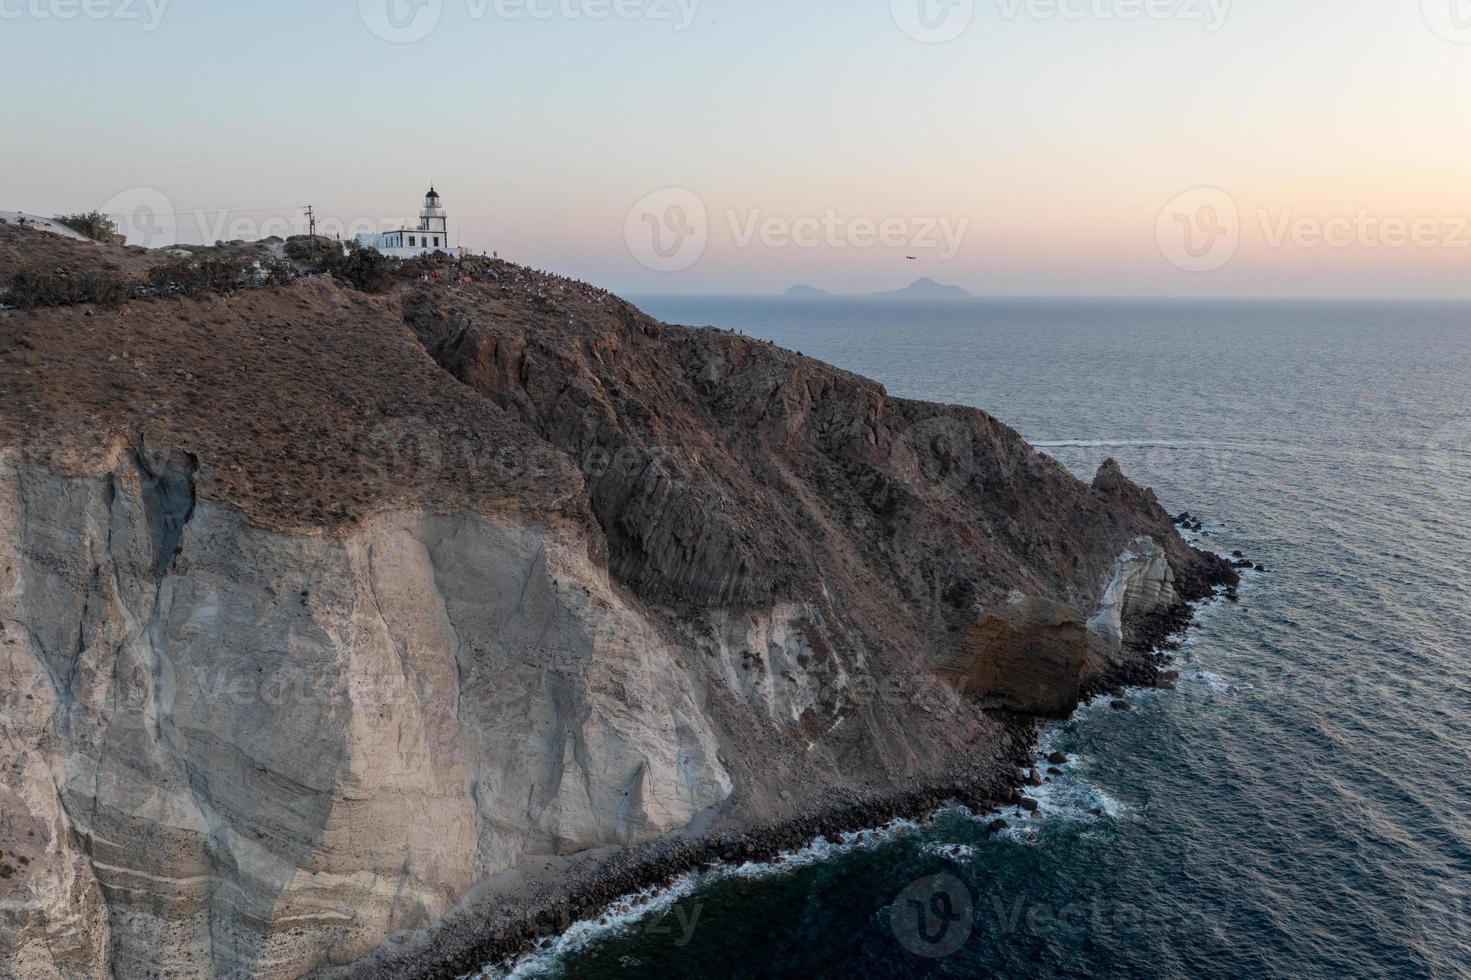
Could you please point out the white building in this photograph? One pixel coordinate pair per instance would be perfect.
(432, 235)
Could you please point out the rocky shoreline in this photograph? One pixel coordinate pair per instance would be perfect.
(461, 945)
(470, 938)
(487, 599)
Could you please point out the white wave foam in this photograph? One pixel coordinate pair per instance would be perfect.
(620, 918)
(1095, 705)
(952, 852)
(625, 915)
(1215, 684)
(1129, 443)
(1068, 799)
(1065, 799)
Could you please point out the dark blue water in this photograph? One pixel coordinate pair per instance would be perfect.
(1301, 805)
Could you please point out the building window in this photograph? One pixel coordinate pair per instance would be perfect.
(436, 241)
(411, 241)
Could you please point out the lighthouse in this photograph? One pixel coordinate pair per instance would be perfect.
(432, 218)
(432, 234)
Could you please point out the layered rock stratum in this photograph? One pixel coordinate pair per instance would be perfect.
(325, 616)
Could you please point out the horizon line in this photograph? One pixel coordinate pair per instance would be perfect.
(1081, 297)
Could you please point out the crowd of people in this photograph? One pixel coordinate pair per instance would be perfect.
(534, 283)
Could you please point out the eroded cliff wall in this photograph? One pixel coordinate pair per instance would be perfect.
(231, 751)
(316, 608)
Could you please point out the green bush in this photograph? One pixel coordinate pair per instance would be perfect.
(30, 288)
(365, 269)
(220, 275)
(93, 224)
(176, 275)
(191, 278)
(279, 275)
(105, 289)
(316, 253)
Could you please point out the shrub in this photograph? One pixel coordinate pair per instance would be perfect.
(30, 288)
(170, 277)
(93, 224)
(105, 289)
(365, 269)
(190, 277)
(316, 253)
(278, 274)
(220, 275)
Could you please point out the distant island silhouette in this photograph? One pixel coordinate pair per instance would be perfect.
(923, 288)
(926, 288)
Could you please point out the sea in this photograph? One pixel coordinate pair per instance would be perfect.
(1300, 806)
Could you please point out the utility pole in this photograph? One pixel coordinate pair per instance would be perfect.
(311, 220)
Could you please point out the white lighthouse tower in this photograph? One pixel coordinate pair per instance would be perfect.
(432, 218)
(431, 236)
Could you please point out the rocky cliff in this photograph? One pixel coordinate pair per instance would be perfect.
(318, 607)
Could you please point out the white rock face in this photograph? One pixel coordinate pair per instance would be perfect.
(231, 752)
(1142, 582)
(775, 662)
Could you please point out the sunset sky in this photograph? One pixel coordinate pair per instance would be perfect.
(769, 142)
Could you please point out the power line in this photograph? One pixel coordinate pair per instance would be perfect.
(181, 214)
